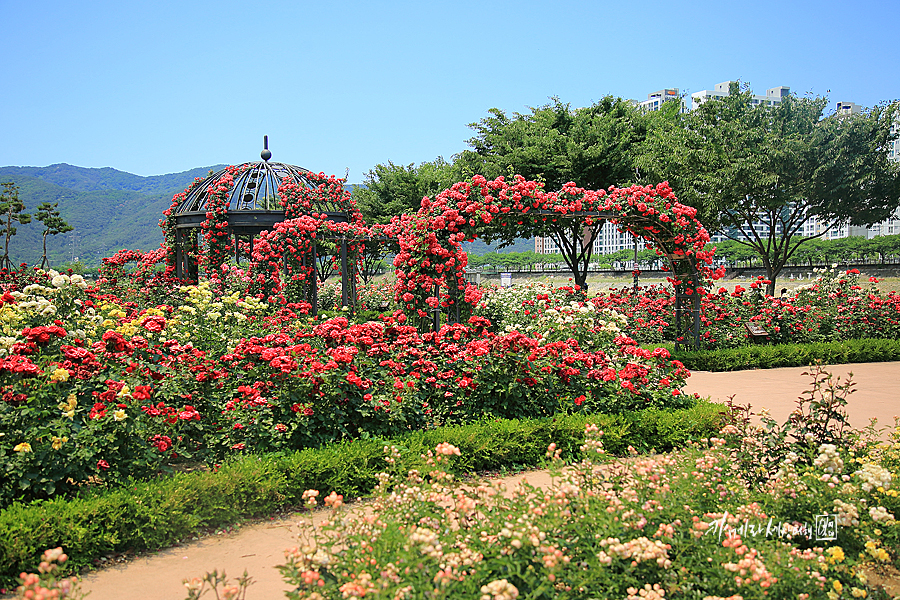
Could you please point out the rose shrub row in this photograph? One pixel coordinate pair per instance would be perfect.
(97, 388)
(835, 306)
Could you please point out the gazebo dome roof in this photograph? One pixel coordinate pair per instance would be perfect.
(255, 188)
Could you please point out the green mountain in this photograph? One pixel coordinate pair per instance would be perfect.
(109, 210)
(90, 180)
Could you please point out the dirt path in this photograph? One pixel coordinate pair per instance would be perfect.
(877, 392)
(259, 548)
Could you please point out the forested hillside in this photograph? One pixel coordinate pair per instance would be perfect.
(108, 209)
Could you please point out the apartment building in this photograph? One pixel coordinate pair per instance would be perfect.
(655, 100)
(773, 96)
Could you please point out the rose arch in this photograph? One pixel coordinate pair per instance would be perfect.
(431, 263)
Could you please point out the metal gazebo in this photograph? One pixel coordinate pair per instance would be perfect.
(253, 206)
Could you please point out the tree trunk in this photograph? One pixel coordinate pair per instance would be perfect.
(44, 262)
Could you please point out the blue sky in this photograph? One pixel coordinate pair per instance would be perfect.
(160, 87)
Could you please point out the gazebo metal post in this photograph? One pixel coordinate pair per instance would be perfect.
(436, 311)
(354, 297)
(314, 289)
(634, 267)
(345, 280)
(192, 267)
(179, 254)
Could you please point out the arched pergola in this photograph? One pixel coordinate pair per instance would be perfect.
(431, 263)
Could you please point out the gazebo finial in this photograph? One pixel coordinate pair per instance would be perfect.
(265, 154)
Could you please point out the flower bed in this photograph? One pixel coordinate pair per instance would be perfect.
(97, 387)
(800, 510)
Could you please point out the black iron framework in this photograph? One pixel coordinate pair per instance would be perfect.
(254, 206)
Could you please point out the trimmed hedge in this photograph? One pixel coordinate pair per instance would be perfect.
(762, 356)
(154, 514)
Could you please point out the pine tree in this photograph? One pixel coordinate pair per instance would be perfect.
(54, 224)
(11, 210)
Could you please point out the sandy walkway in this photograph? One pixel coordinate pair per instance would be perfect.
(877, 392)
(258, 548)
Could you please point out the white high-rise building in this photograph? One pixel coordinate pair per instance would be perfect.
(655, 100)
(848, 108)
(773, 96)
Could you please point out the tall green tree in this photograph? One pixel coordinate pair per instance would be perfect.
(391, 190)
(11, 210)
(758, 174)
(54, 224)
(594, 147)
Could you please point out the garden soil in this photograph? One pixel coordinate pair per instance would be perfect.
(257, 548)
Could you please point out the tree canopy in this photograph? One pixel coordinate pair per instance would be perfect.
(759, 173)
(391, 190)
(49, 216)
(594, 147)
(11, 209)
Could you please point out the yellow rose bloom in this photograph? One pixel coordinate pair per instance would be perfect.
(23, 447)
(70, 403)
(119, 415)
(59, 375)
(58, 442)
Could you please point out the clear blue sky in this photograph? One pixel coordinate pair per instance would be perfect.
(158, 87)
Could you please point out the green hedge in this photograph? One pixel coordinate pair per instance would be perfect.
(154, 514)
(763, 356)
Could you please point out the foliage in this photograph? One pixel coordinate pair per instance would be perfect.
(199, 586)
(741, 164)
(391, 190)
(835, 306)
(45, 583)
(159, 512)
(766, 356)
(551, 314)
(772, 449)
(118, 381)
(431, 264)
(592, 146)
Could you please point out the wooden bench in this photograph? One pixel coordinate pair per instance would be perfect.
(756, 333)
